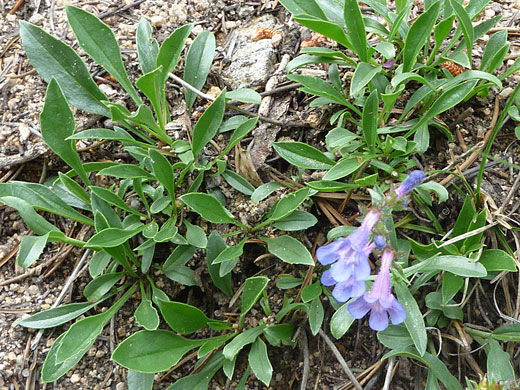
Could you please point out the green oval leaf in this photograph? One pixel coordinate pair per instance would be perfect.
(303, 155)
(53, 58)
(289, 250)
(101, 285)
(208, 207)
(497, 260)
(152, 351)
(414, 321)
(111, 237)
(181, 317)
(341, 321)
(259, 361)
(99, 42)
(198, 63)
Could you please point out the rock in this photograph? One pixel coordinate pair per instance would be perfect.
(252, 63)
(75, 378)
(37, 19)
(120, 386)
(506, 92)
(34, 290)
(157, 20)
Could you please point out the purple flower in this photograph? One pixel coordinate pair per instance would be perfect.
(379, 301)
(388, 64)
(380, 241)
(349, 259)
(413, 180)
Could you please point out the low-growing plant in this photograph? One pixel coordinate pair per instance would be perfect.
(136, 208)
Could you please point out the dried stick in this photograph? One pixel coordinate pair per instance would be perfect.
(341, 361)
(305, 344)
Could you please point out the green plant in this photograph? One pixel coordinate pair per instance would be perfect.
(137, 209)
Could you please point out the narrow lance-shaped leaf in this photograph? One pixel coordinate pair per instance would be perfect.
(198, 63)
(418, 35)
(53, 58)
(31, 247)
(369, 120)
(356, 28)
(414, 321)
(99, 42)
(57, 123)
(208, 124)
(147, 47)
(304, 7)
(467, 27)
(170, 51)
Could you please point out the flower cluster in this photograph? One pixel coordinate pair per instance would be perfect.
(350, 268)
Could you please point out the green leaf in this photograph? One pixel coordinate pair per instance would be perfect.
(297, 220)
(369, 120)
(259, 361)
(418, 35)
(395, 337)
(98, 287)
(240, 341)
(31, 247)
(53, 58)
(152, 351)
(253, 288)
(215, 246)
(363, 74)
(244, 95)
(433, 363)
(311, 292)
(208, 124)
(264, 191)
(238, 182)
(499, 368)
(289, 203)
(56, 316)
(75, 188)
(285, 282)
(163, 171)
(138, 380)
(146, 315)
(304, 7)
(414, 321)
(80, 337)
(303, 155)
(497, 260)
(356, 28)
(208, 208)
(447, 100)
(467, 27)
(181, 317)
(200, 380)
(111, 237)
(508, 332)
(98, 263)
(180, 256)
(289, 250)
(111, 198)
(170, 51)
(57, 123)
(241, 131)
(343, 168)
(53, 370)
(321, 88)
(198, 63)
(316, 315)
(451, 285)
(151, 85)
(496, 42)
(457, 265)
(230, 253)
(100, 43)
(195, 235)
(34, 221)
(213, 344)
(43, 198)
(125, 171)
(341, 321)
(147, 48)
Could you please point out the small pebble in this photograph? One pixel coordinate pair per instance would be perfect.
(506, 92)
(34, 290)
(75, 378)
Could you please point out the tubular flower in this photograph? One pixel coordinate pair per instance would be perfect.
(349, 259)
(413, 180)
(379, 301)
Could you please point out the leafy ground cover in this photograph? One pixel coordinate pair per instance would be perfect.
(203, 263)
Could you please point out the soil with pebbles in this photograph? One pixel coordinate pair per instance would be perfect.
(24, 157)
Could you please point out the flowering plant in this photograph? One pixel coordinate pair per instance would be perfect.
(350, 267)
